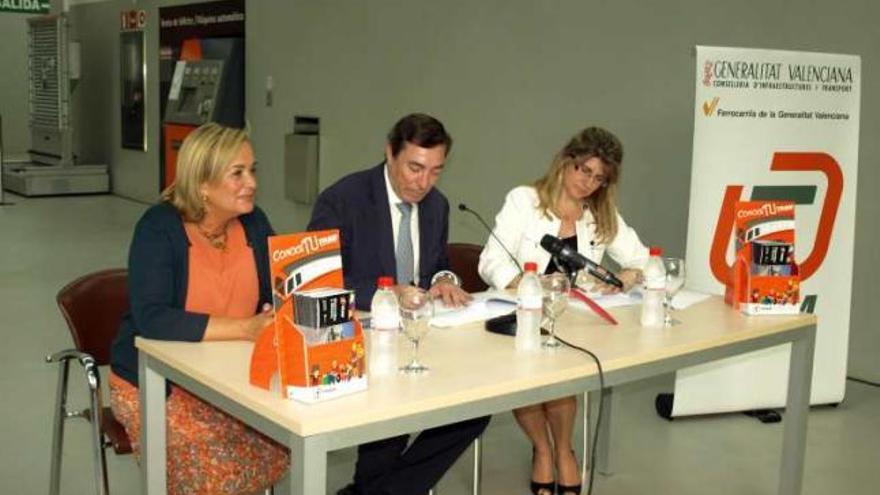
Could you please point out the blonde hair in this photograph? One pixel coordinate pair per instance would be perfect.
(592, 142)
(202, 158)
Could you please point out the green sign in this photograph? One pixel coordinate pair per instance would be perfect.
(25, 6)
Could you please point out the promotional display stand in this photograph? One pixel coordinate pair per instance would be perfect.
(764, 278)
(316, 344)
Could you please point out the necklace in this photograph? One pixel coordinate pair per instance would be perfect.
(216, 239)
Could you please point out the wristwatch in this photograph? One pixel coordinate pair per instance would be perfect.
(446, 276)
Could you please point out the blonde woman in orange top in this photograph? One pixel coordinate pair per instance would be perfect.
(198, 270)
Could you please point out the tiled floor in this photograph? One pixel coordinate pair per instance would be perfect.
(44, 243)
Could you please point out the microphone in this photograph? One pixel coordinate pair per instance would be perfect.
(504, 324)
(556, 247)
(463, 207)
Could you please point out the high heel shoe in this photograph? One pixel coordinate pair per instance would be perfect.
(548, 488)
(569, 489)
(537, 488)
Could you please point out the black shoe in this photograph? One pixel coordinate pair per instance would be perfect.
(348, 490)
(541, 488)
(546, 487)
(568, 490)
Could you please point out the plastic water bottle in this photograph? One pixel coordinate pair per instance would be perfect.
(385, 327)
(653, 290)
(529, 296)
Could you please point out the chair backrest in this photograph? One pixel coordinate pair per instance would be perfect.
(93, 306)
(463, 260)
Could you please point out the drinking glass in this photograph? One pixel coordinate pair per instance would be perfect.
(416, 311)
(674, 282)
(556, 287)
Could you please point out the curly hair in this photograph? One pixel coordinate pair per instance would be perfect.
(592, 142)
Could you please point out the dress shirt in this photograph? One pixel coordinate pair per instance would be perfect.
(393, 200)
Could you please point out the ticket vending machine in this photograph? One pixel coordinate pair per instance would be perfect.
(207, 86)
(191, 102)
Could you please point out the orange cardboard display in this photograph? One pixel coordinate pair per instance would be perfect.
(312, 364)
(764, 276)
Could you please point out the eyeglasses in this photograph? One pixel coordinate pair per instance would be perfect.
(588, 174)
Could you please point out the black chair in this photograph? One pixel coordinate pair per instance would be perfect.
(93, 306)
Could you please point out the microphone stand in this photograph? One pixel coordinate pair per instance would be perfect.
(566, 270)
(580, 295)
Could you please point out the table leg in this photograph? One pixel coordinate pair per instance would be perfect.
(797, 406)
(477, 486)
(603, 450)
(308, 466)
(152, 401)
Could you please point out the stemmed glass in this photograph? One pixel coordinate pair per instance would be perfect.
(556, 287)
(416, 311)
(674, 282)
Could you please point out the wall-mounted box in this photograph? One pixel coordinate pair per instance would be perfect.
(302, 160)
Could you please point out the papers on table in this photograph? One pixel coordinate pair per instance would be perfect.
(686, 298)
(490, 304)
(608, 301)
(484, 306)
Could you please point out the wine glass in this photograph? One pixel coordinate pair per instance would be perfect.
(556, 287)
(675, 276)
(416, 311)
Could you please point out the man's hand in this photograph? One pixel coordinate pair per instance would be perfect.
(451, 294)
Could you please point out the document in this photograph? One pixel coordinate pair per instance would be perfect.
(686, 298)
(484, 306)
(608, 301)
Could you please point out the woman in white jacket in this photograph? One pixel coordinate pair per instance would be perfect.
(575, 201)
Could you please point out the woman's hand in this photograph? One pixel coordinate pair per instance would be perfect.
(629, 277)
(223, 328)
(255, 324)
(515, 282)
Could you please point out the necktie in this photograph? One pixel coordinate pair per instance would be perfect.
(404, 251)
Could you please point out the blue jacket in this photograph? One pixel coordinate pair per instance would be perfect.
(158, 273)
(357, 205)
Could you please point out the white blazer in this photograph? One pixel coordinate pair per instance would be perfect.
(520, 225)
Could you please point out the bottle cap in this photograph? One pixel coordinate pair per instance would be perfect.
(656, 251)
(530, 266)
(384, 282)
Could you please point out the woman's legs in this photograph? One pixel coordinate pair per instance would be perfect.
(534, 423)
(560, 415)
(208, 451)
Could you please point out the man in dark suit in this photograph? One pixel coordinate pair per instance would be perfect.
(382, 214)
(366, 207)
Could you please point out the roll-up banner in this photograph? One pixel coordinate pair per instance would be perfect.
(774, 125)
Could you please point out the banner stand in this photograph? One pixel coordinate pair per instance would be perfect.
(773, 125)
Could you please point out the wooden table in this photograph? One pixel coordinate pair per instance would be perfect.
(473, 373)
